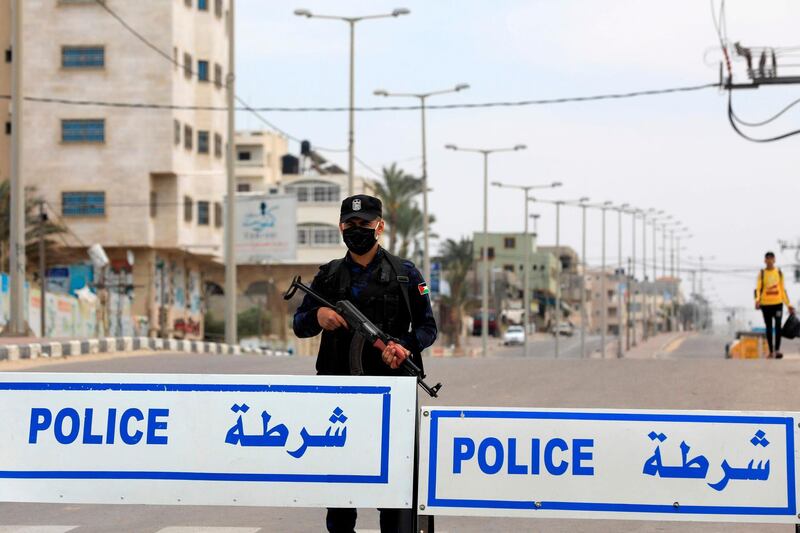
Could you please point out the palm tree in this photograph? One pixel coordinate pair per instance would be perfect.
(457, 261)
(35, 229)
(409, 227)
(396, 191)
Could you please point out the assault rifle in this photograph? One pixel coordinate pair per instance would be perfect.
(363, 330)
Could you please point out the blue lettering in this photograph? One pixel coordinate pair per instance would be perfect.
(548, 457)
(75, 425)
(153, 425)
(463, 449)
(536, 447)
(41, 419)
(578, 455)
(494, 468)
(88, 438)
(513, 467)
(124, 421)
(111, 426)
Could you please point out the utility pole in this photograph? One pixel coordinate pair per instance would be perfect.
(558, 275)
(643, 290)
(17, 324)
(42, 269)
(584, 316)
(230, 207)
(603, 289)
(633, 283)
(620, 281)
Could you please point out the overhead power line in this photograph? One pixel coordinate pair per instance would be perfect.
(477, 105)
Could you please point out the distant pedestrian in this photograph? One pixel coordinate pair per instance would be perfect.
(770, 298)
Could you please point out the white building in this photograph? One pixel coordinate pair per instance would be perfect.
(151, 181)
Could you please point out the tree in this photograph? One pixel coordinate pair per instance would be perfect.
(34, 230)
(410, 228)
(457, 261)
(396, 191)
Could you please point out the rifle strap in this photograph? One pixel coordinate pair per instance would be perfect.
(402, 278)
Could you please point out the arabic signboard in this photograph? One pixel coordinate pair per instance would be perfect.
(266, 228)
(207, 439)
(642, 465)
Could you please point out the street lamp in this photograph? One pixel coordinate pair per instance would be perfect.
(426, 258)
(603, 289)
(351, 130)
(485, 255)
(526, 298)
(620, 276)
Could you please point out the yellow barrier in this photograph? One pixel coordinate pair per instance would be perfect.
(749, 346)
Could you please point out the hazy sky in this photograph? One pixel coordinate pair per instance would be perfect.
(675, 152)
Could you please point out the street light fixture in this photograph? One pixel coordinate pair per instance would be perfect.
(485, 254)
(526, 298)
(423, 97)
(351, 21)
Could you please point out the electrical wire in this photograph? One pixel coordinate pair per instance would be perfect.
(732, 121)
(477, 105)
(767, 120)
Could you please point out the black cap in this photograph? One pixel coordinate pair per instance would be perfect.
(361, 206)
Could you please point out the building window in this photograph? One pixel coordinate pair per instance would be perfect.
(202, 213)
(217, 145)
(217, 215)
(9, 55)
(509, 243)
(318, 235)
(153, 204)
(187, 208)
(242, 187)
(83, 56)
(83, 204)
(202, 5)
(218, 8)
(508, 268)
(315, 191)
(188, 3)
(187, 137)
(244, 156)
(187, 65)
(177, 131)
(83, 130)
(217, 74)
(8, 128)
(202, 142)
(202, 70)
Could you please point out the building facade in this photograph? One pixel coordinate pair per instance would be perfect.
(141, 180)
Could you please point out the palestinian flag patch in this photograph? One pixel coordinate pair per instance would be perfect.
(423, 289)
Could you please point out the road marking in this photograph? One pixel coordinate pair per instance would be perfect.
(181, 529)
(36, 529)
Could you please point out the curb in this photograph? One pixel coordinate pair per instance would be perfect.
(110, 345)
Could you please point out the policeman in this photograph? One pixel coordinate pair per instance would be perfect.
(391, 292)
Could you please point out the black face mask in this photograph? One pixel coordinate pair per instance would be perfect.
(359, 240)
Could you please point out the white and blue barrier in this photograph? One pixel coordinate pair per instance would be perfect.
(640, 465)
(207, 440)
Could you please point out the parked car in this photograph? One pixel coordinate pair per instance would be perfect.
(514, 335)
(565, 329)
(476, 324)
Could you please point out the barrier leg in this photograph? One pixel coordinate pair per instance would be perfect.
(425, 524)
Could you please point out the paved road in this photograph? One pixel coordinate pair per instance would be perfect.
(544, 347)
(690, 383)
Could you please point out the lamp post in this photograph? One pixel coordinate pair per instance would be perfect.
(485, 253)
(426, 258)
(584, 316)
(526, 298)
(620, 277)
(558, 204)
(351, 130)
(603, 289)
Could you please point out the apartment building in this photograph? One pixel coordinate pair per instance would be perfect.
(146, 181)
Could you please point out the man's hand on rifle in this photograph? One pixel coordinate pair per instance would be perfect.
(330, 319)
(394, 355)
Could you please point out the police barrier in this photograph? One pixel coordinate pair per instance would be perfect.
(307, 441)
(643, 465)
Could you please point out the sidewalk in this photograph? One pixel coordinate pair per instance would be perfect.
(659, 346)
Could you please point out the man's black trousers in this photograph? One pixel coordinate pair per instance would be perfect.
(392, 520)
(773, 314)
